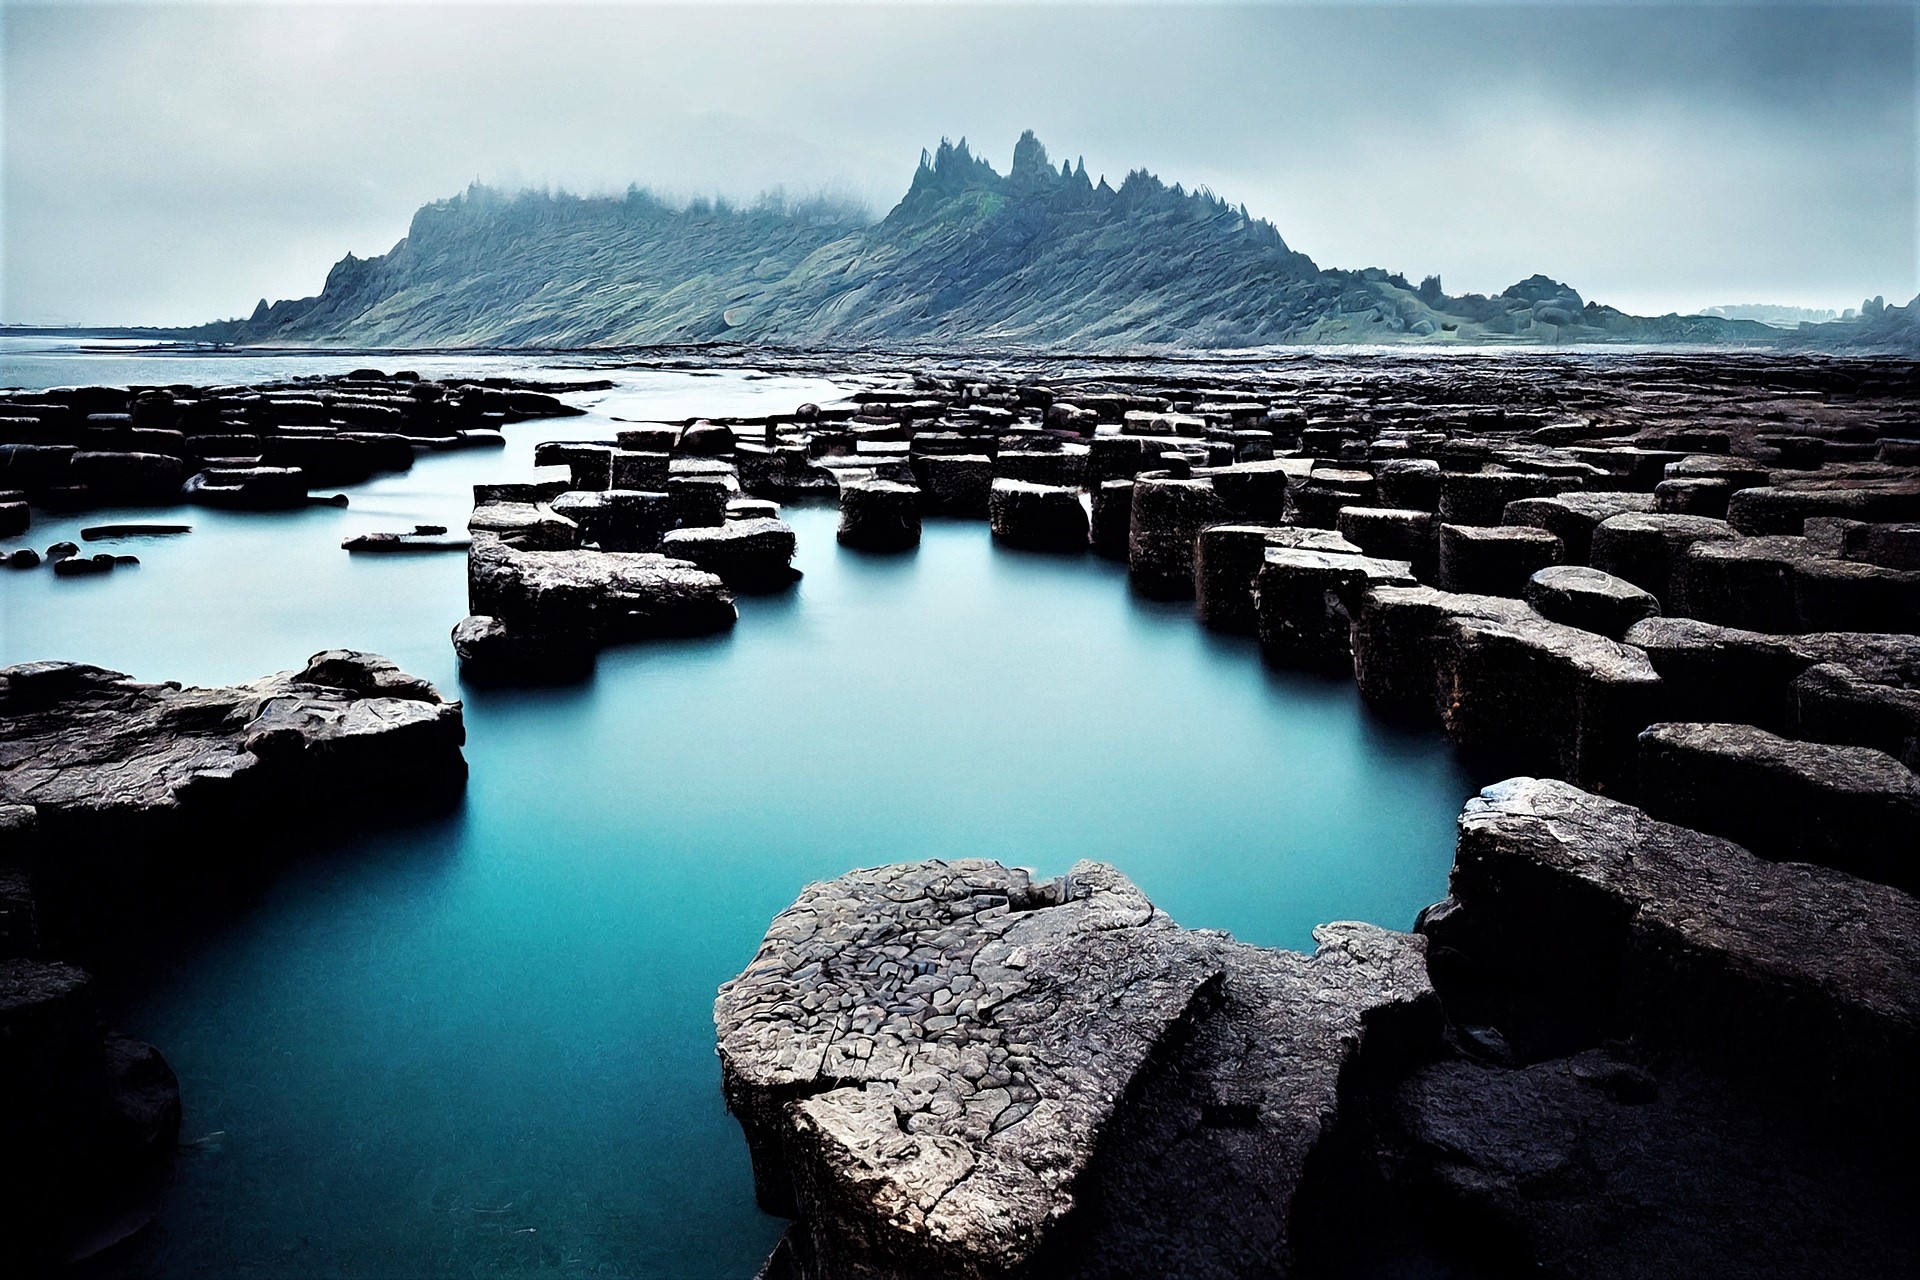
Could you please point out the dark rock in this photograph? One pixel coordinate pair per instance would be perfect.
(1694, 496)
(599, 596)
(94, 533)
(1409, 484)
(617, 519)
(1784, 509)
(1572, 517)
(1495, 560)
(1589, 599)
(390, 543)
(82, 566)
(747, 555)
(1646, 549)
(1393, 533)
(16, 517)
(1396, 642)
(491, 652)
(1305, 601)
(1039, 517)
(707, 439)
(1853, 808)
(1166, 520)
(646, 472)
(62, 551)
(879, 515)
(954, 484)
(525, 526)
(1227, 559)
(22, 558)
(247, 488)
(1481, 497)
(1110, 530)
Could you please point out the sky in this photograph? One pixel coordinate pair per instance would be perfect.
(169, 162)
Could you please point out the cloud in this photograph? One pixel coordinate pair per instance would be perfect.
(167, 163)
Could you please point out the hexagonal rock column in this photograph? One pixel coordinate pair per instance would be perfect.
(954, 484)
(1589, 599)
(879, 515)
(1494, 560)
(1645, 549)
(1039, 517)
(1111, 528)
(1304, 602)
(1853, 808)
(747, 555)
(934, 1064)
(1168, 515)
(1574, 918)
(1572, 517)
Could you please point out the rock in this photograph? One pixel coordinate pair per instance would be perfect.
(137, 783)
(1645, 549)
(707, 439)
(1853, 808)
(879, 515)
(1608, 1163)
(643, 471)
(98, 532)
(1574, 918)
(1110, 531)
(1741, 582)
(1693, 496)
(62, 551)
(1253, 491)
(1393, 533)
(1227, 560)
(491, 652)
(954, 484)
(700, 501)
(589, 464)
(618, 519)
(21, 558)
(1891, 546)
(603, 597)
(525, 526)
(242, 488)
(1784, 509)
(1167, 517)
(1572, 517)
(1478, 498)
(405, 542)
(1843, 595)
(747, 555)
(1589, 599)
(1397, 635)
(656, 438)
(1722, 674)
(908, 1141)
(1409, 484)
(1039, 517)
(1066, 466)
(16, 517)
(1305, 600)
(1494, 560)
(82, 566)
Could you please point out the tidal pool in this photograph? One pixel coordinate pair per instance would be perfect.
(481, 1045)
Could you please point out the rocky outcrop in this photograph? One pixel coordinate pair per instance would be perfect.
(879, 515)
(748, 555)
(948, 1069)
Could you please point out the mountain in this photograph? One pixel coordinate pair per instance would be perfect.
(1038, 257)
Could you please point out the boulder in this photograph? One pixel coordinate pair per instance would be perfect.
(1038, 517)
(525, 526)
(1589, 599)
(1494, 560)
(747, 555)
(879, 515)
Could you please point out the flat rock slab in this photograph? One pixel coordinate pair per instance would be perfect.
(602, 596)
(926, 1060)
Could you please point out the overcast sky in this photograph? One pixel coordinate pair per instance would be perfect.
(173, 162)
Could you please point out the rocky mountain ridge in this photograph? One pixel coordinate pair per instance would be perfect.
(1041, 257)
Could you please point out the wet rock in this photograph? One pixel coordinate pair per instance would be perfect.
(1741, 582)
(1227, 560)
(954, 484)
(16, 517)
(1645, 549)
(1574, 918)
(136, 783)
(1393, 533)
(1844, 595)
(98, 532)
(1853, 808)
(879, 515)
(1572, 517)
(1110, 531)
(589, 464)
(492, 652)
(1556, 1169)
(747, 555)
(1305, 601)
(1254, 491)
(1891, 546)
(247, 488)
(1494, 560)
(1039, 517)
(910, 1141)
(618, 519)
(525, 526)
(62, 551)
(22, 558)
(1589, 599)
(1396, 638)
(1065, 466)
(83, 566)
(400, 543)
(1167, 517)
(1481, 497)
(600, 596)
(707, 439)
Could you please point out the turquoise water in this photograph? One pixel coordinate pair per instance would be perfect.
(482, 1046)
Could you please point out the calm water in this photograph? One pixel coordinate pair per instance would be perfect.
(482, 1047)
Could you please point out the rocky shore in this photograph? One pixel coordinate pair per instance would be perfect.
(124, 803)
(1665, 1019)
(263, 447)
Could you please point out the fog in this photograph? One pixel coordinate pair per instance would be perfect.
(173, 163)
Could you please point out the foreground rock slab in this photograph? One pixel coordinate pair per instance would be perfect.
(926, 1060)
